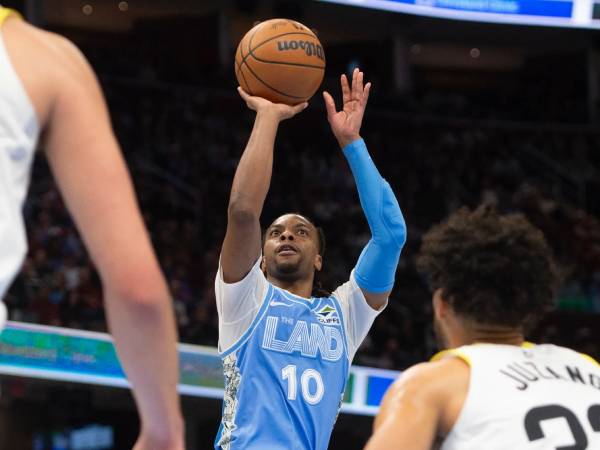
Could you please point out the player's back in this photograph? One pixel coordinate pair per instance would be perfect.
(535, 397)
(19, 130)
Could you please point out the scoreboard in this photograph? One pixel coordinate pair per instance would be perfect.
(559, 13)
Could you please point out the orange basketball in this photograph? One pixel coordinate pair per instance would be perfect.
(280, 60)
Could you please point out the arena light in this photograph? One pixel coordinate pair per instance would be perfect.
(87, 9)
(416, 49)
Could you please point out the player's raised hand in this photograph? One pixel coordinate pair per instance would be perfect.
(346, 123)
(279, 110)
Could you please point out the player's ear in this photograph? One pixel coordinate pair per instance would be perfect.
(263, 265)
(318, 263)
(440, 306)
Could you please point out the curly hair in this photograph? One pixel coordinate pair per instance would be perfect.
(493, 269)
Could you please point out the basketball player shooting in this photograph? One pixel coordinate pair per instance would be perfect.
(492, 276)
(286, 353)
(49, 92)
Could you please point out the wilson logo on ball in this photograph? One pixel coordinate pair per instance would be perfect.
(310, 48)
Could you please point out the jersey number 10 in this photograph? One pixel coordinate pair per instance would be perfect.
(312, 397)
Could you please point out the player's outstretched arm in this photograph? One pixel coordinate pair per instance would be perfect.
(91, 174)
(376, 267)
(242, 244)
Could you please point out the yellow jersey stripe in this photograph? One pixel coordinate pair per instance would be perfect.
(590, 359)
(459, 354)
(452, 352)
(5, 13)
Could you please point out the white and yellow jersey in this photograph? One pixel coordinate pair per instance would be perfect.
(19, 131)
(534, 397)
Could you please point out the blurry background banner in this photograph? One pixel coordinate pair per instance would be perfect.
(62, 354)
(573, 13)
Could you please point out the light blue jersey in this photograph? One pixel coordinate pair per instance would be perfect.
(285, 376)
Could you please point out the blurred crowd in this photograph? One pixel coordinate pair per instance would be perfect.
(183, 144)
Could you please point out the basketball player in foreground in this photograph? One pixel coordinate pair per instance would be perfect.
(48, 90)
(286, 353)
(492, 276)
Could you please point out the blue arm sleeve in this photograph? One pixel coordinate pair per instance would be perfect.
(376, 266)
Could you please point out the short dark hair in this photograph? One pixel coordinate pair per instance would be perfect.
(318, 289)
(494, 269)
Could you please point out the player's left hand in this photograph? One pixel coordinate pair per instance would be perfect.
(346, 123)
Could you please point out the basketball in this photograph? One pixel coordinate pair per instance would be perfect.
(280, 60)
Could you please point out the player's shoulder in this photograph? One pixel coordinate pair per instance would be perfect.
(56, 53)
(442, 368)
(433, 378)
(565, 352)
(48, 65)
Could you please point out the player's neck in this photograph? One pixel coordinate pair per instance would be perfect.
(490, 335)
(301, 288)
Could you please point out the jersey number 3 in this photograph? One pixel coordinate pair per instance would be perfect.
(311, 394)
(535, 417)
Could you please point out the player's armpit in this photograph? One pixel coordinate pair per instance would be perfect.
(377, 301)
(410, 412)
